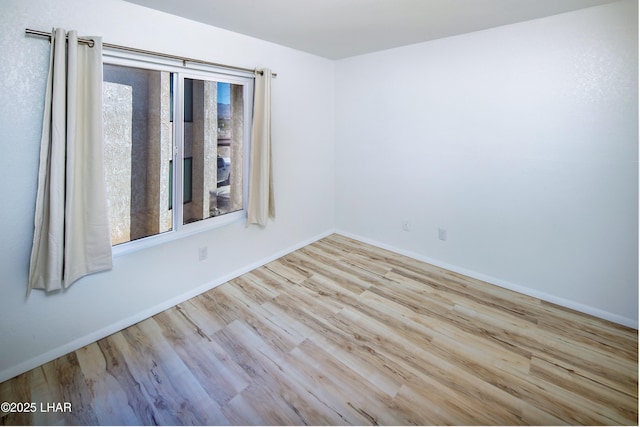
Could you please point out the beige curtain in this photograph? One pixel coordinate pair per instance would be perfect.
(261, 202)
(72, 234)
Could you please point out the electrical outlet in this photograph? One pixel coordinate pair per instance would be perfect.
(202, 253)
(442, 234)
(405, 225)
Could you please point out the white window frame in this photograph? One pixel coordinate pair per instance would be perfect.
(180, 72)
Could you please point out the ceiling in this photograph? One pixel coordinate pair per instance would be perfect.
(341, 28)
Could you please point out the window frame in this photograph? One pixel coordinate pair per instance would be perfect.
(181, 71)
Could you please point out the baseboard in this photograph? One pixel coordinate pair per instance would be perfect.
(593, 311)
(145, 314)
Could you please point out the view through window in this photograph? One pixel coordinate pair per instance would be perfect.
(148, 192)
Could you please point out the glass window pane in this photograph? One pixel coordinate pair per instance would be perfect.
(214, 140)
(138, 136)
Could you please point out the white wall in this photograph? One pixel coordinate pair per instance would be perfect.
(520, 141)
(39, 328)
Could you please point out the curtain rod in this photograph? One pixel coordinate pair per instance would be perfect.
(149, 52)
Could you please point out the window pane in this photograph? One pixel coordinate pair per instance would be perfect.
(138, 136)
(214, 140)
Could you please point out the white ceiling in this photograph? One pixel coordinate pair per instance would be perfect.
(341, 28)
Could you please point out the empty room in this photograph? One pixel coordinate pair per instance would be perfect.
(420, 212)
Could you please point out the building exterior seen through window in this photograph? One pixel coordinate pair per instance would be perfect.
(148, 192)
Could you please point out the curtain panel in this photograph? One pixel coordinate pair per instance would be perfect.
(72, 234)
(261, 205)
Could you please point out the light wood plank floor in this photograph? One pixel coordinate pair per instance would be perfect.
(338, 333)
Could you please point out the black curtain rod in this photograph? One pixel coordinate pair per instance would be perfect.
(149, 52)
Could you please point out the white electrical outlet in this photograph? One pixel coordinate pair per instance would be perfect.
(442, 234)
(405, 225)
(202, 253)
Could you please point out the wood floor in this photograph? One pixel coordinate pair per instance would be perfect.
(338, 333)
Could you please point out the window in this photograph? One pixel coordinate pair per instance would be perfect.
(176, 148)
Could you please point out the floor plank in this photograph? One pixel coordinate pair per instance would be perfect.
(344, 333)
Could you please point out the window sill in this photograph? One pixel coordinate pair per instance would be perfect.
(185, 231)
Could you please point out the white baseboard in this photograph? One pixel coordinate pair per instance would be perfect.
(92, 337)
(593, 311)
